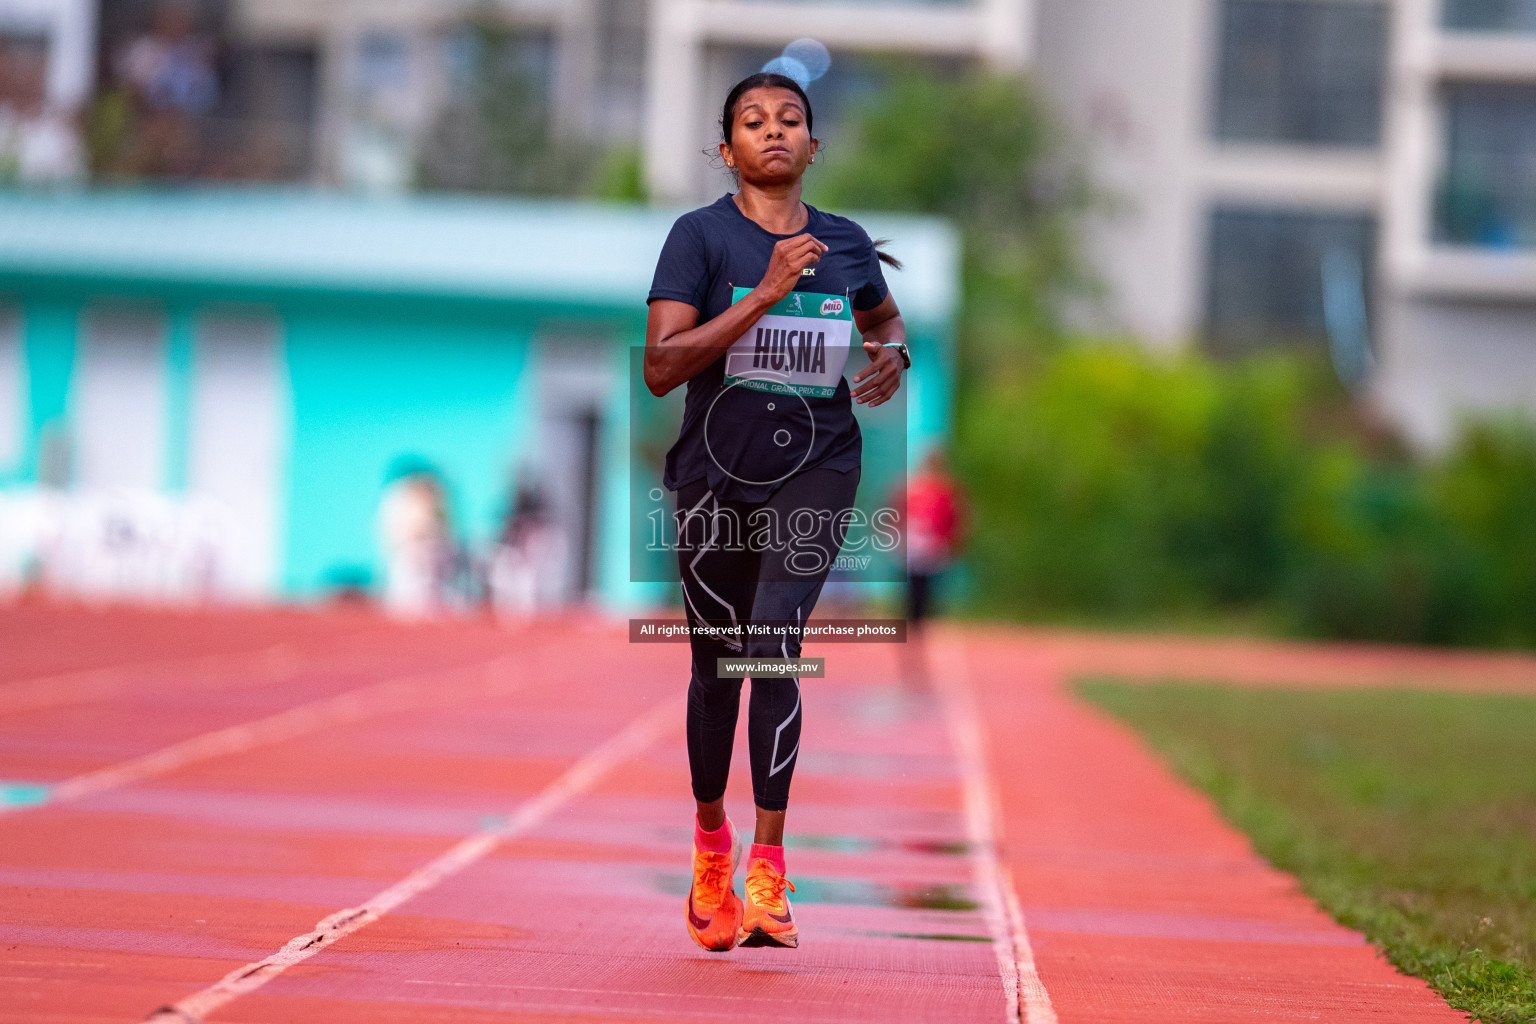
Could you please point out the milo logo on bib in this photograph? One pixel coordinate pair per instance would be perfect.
(799, 347)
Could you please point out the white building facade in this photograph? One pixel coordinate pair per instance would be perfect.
(1360, 173)
(1458, 215)
(697, 49)
(1357, 174)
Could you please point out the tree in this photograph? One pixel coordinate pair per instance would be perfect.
(495, 133)
(983, 151)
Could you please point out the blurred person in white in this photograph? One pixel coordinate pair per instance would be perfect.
(172, 79)
(525, 564)
(39, 140)
(417, 548)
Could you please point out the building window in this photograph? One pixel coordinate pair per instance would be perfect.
(1301, 71)
(1287, 277)
(1491, 15)
(265, 123)
(1487, 194)
(182, 96)
(495, 132)
(622, 26)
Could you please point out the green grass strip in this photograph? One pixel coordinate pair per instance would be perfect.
(1408, 815)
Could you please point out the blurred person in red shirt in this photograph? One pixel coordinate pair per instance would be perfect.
(932, 518)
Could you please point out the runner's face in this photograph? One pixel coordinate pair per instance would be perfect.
(770, 143)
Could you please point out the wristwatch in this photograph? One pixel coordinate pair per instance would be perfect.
(901, 350)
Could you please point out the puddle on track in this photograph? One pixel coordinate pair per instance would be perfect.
(933, 936)
(851, 892)
(870, 844)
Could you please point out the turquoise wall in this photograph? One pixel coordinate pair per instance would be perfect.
(930, 402)
(368, 385)
(450, 383)
(48, 341)
(369, 388)
(181, 326)
(615, 513)
(51, 329)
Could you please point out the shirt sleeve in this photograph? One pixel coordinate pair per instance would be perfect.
(874, 290)
(682, 270)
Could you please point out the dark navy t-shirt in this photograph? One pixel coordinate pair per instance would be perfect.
(776, 409)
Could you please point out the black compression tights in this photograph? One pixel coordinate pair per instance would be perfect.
(725, 582)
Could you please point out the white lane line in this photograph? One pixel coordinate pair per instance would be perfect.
(1026, 996)
(87, 683)
(428, 689)
(274, 661)
(577, 779)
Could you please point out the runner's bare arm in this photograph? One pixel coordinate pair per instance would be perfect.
(876, 383)
(677, 348)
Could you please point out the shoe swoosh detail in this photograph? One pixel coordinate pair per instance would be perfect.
(694, 919)
(788, 918)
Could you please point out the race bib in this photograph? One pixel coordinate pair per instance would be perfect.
(799, 347)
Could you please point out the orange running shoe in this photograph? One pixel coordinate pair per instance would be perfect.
(714, 909)
(768, 921)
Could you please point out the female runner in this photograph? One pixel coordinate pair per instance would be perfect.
(752, 307)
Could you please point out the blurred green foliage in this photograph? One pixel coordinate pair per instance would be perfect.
(108, 134)
(1108, 483)
(496, 132)
(620, 176)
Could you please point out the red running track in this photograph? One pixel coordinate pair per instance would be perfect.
(290, 816)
